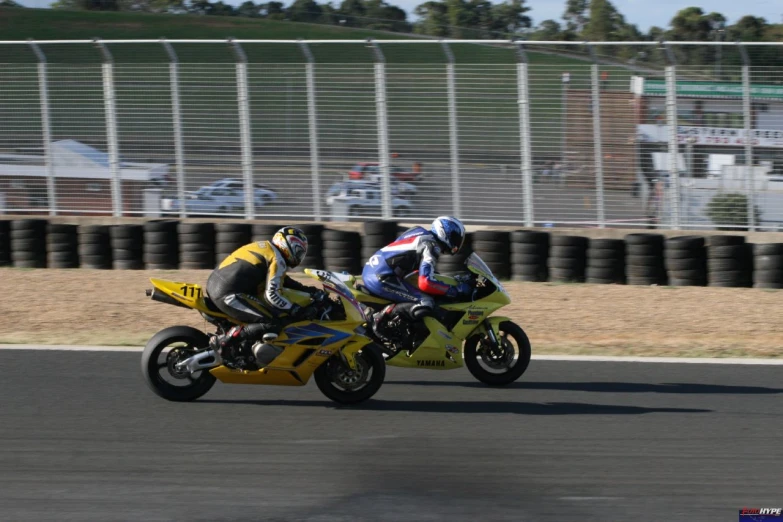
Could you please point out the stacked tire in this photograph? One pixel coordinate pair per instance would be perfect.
(455, 265)
(342, 251)
(95, 247)
(196, 245)
(28, 243)
(605, 262)
(567, 259)
(729, 262)
(644, 261)
(377, 234)
(161, 245)
(493, 246)
(685, 259)
(768, 265)
(315, 246)
(229, 237)
(529, 254)
(264, 231)
(127, 247)
(62, 245)
(5, 243)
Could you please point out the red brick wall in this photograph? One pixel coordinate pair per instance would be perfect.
(73, 195)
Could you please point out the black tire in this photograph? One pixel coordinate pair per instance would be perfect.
(644, 250)
(573, 241)
(530, 249)
(324, 377)
(685, 243)
(645, 239)
(149, 364)
(567, 251)
(768, 249)
(725, 241)
(380, 228)
(535, 237)
(515, 372)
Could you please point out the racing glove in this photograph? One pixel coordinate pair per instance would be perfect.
(461, 289)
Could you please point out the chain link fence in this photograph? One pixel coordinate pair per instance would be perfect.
(605, 134)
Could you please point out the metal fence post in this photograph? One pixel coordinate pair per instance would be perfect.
(46, 127)
(453, 129)
(312, 114)
(176, 117)
(597, 140)
(523, 95)
(671, 121)
(109, 100)
(383, 128)
(243, 101)
(747, 117)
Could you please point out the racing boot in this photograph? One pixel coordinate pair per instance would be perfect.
(222, 343)
(376, 321)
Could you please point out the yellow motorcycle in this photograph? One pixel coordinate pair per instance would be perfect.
(464, 333)
(179, 365)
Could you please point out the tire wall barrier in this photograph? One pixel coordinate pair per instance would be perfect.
(519, 255)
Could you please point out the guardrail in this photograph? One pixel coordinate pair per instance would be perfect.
(667, 135)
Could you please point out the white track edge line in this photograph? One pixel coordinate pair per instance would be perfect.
(571, 358)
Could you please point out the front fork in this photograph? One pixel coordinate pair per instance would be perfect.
(491, 333)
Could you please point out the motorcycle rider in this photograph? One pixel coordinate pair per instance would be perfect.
(416, 249)
(247, 286)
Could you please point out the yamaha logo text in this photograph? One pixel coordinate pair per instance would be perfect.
(431, 363)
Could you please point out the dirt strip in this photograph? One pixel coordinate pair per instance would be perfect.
(110, 308)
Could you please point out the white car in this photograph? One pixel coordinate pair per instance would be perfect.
(358, 197)
(221, 197)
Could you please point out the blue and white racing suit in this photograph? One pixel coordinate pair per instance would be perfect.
(416, 249)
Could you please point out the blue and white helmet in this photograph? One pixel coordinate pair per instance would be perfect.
(450, 231)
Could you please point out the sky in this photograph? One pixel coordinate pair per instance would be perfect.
(643, 13)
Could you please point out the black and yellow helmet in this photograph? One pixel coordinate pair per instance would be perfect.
(292, 244)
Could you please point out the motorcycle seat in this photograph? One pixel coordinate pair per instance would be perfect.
(211, 305)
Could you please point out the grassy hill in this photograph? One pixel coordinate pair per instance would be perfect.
(48, 24)
(486, 81)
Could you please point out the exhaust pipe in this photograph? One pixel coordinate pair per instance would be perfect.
(157, 295)
(201, 361)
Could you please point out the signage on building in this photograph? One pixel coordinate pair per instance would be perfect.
(728, 137)
(699, 89)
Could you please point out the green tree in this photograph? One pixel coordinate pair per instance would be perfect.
(249, 9)
(434, 19)
(575, 15)
(273, 10)
(510, 16)
(354, 12)
(304, 11)
(548, 30)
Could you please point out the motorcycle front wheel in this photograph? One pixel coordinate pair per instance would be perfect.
(163, 351)
(502, 364)
(345, 386)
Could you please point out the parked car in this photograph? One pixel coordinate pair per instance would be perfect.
(372, 172)
(359, 197)
(221, 197)
(263, 193)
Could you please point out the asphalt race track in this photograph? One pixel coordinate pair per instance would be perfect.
(82, 438)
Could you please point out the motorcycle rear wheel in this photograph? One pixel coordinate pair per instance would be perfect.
(338, 383)
(475, 351)
(190, 341)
